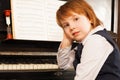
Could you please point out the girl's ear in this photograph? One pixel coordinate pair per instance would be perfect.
(91, 22)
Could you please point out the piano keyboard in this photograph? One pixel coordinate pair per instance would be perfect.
(27, 66)
(24, 62)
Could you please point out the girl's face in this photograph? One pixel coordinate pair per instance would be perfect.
(76, 27)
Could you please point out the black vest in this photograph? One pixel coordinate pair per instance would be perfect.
(111, 68)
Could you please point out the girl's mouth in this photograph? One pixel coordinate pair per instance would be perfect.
(75, 33)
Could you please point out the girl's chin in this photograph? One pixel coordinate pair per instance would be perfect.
(77, 39)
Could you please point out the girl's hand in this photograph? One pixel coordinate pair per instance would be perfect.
(66, 42)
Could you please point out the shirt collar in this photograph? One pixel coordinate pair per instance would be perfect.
(98, 28)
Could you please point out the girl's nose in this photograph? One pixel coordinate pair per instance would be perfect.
(72, 26)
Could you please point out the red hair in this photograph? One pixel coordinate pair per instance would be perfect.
(79, 7)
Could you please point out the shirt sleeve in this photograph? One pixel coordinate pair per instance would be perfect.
(95, 52)
(65, 58)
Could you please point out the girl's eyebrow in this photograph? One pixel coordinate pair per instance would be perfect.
(73, 16)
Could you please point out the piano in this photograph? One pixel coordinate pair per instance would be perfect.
(28, 60)
(31, 60)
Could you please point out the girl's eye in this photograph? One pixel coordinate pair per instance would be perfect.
(76, 19)
(65, 25)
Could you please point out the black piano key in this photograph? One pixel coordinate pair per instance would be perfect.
(26, 60)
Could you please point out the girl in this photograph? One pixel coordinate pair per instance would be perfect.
(97, 56)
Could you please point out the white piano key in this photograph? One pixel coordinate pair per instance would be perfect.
(31, 66)
(18, 67)
(27, 66)
(1, 67)
(49, 66)
(5, 67)
(46, 66)
(22, 67)
(35, 66)
(14, 66)
(10, 67)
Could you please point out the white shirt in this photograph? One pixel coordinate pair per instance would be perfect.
(95, 52)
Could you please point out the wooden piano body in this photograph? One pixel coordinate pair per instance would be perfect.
(30, 60)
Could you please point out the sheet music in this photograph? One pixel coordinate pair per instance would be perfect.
(36, 20)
